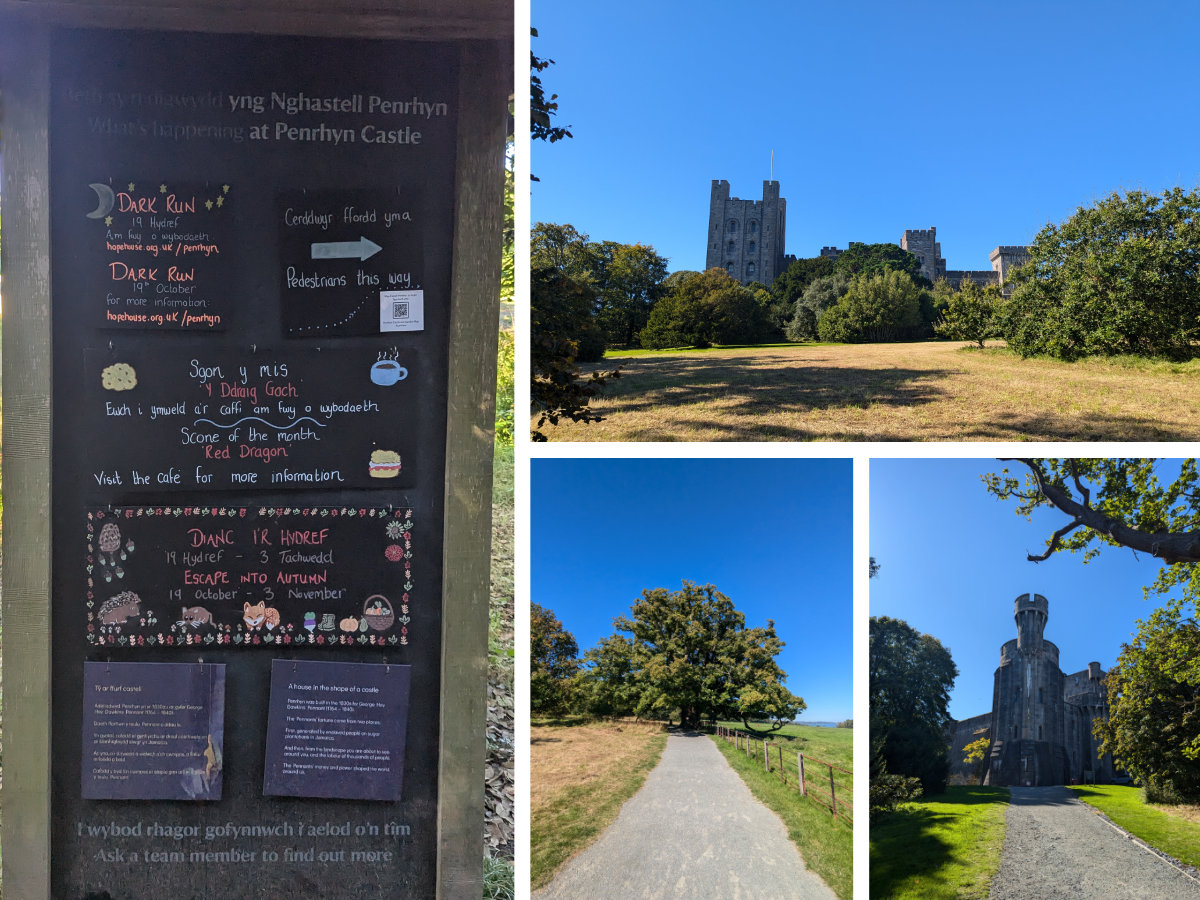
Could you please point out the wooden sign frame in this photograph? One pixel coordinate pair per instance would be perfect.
(482, 30)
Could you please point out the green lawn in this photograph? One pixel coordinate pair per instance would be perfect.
(835, 745)
(946, 846)
(1124, 805)
(825, 843)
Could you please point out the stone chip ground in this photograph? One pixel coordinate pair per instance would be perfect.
(1057, 847)
(693, 830)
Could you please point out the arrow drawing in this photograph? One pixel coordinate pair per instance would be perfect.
(360, 249)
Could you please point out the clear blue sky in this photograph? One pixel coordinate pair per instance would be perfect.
(953, 562)
(985, 120)
(772, 535)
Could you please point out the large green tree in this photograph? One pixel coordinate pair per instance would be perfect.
(553, 661)
(1153, 725)
(1120, 276)
(861, 259)
(795, 279)
(632, 282)
(911, 677)
(691, 651)
(608, 682)
(703, 309)
(970, 314)
(879, 306)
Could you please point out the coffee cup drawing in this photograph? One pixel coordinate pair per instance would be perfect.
(387, 372)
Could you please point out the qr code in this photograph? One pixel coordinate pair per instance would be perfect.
(399, 309)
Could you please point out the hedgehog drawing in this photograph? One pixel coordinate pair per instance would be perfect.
(116, 610)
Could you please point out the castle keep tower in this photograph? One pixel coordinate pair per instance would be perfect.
(745, 237)
(1040, 725)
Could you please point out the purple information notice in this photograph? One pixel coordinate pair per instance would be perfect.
(153, 731)
(336, 730)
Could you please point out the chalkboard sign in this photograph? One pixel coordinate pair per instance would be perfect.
(228, 419)
(251, 257)
(241, 577)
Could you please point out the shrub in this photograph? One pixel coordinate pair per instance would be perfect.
(880, 307)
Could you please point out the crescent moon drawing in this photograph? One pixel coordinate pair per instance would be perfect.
(105, 195)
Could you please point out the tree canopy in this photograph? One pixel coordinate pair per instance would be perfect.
(561, 330)
(970, 314)
(1115, 503)
(690, 650)
(1153, 725)
(795, 279)
(705, 308)
(552, 661)
(860, 259)
(911, 677)
(1120, 276)
(879, 306)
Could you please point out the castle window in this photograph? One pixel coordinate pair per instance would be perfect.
(1016, 731)
(732, 246)
(1039, 695)
(752, 227)
(749, 270)
(733, 226)
(752, 248)
(1039, 732)
(729, 267)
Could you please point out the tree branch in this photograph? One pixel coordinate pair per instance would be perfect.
(1170, 547)
(1062, 532)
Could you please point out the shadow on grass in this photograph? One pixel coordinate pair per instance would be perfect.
(759, 392)
(741, 398)
(906, 844)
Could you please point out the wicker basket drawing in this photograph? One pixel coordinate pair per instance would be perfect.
(378, 614)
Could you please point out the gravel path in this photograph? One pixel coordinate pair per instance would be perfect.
(694, 830)
(1058, 847)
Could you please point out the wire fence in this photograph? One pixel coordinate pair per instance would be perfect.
(816, 779)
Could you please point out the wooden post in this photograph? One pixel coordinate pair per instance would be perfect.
(800, 765)
(767, 755)
(832, 795)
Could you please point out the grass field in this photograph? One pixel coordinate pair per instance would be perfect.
(825, 843)
(580, 773)
(889, 392)
(1175, 832)
(940, 848)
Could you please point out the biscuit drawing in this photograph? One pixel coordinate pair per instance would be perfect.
(119, 377)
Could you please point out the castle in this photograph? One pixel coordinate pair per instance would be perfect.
(1040, 726)
(745, 237)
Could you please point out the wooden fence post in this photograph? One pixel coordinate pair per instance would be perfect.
(832, 795)
(782, 770)
(800, 761)
(767, 756)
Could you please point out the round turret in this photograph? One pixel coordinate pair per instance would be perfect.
(1031, 613)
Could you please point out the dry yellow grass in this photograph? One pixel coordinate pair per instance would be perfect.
(579, 777)
(891, 392)
(1189, 812)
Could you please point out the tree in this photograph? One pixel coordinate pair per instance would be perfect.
(542, 110)
(633, 283)
(1121, 276)
(607, 684)
(795, 279)
(885, 306)
(704, 308)
(970, 314)
(552, 661)
(867, 259)
(691, 651)
(911, 676)
(563, 248)
(560, 323)
(975, 754)
(819, 296)
(1153, 725)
